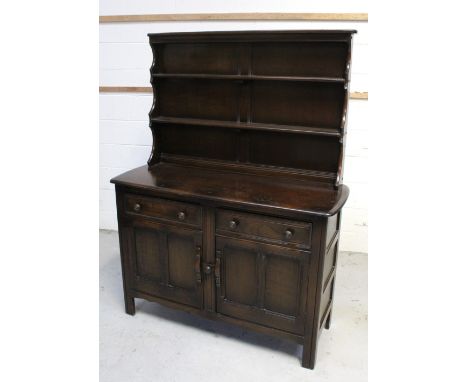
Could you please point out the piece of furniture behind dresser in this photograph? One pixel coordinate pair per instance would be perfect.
(237, 215)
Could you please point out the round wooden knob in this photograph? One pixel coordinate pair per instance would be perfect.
(181, 215)
(233, 224)
(288, 234)
(207, 269)
(137, 207)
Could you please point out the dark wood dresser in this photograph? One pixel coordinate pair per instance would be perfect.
(237, 215)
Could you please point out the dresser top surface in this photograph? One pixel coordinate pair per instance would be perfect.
(258, 192)
(285, 31)
(252, 34)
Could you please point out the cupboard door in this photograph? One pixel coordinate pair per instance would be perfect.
(166, 261)
(261, 283)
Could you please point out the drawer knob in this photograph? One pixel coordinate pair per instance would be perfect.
(288, 234)
(233, 224)
(137, 207)
(207, 269)
(181, 215)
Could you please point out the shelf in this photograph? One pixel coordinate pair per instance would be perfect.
(241, 77)
(250, 126)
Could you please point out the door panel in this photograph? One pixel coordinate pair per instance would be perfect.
(147, 249)
(180, 250)
(262, 283)
(240, 275)
(282, 282)
(165, 261)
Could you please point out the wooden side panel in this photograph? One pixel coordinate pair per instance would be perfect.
(333, 249)
(126, 261)
(314, 294)
(325, 301)
(329, 263)
(332, 227)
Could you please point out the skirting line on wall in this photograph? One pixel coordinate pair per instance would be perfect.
(149, 89)
(235, 16)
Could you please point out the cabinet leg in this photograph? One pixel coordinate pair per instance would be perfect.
(328, 321)
(309, 355)
(129, 305)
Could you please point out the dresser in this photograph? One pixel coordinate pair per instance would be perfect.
(236, 216)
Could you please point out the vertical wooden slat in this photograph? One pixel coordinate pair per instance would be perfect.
(164, 256)
(261, 268)
(209, 257)
(339, 175)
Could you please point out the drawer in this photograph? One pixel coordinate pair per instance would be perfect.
(163, 209)
(263, 228)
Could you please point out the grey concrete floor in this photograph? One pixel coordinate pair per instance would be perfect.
(161, 344)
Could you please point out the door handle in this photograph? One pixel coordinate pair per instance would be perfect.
(198, 264)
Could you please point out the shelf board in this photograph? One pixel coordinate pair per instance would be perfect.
(243, 77)
(313, 130)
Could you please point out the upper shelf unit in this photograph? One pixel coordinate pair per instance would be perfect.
(273, 101)
(300, 61)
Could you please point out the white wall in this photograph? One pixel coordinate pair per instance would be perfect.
(117, 7)
(125, 58)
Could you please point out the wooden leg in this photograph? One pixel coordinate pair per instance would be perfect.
(129, 305)
(124, 258)
(328, 321)
(309, 355)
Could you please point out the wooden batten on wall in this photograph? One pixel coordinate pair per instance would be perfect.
(358, 95)
(235, 17)
(148, 89)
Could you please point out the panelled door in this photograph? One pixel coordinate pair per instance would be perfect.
(166, 261)
(261, 283)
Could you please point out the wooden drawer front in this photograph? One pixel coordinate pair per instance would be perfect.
(264, 228)
(163, 209)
